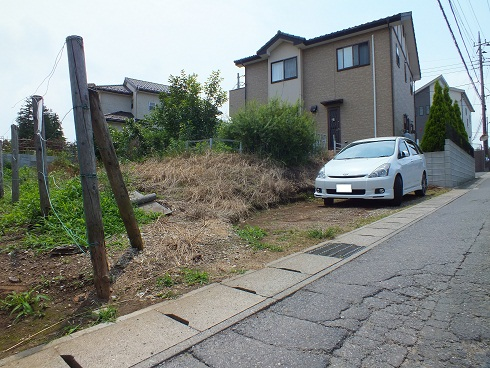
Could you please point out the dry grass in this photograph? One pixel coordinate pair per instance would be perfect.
(221, 185)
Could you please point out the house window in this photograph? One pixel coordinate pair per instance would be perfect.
(353, 56)
(405, 69)
(397, 51)
(421, 111)
(284, 70)
(152, 106)
(427, 110)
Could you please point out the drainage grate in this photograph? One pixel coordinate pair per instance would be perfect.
(338, 250)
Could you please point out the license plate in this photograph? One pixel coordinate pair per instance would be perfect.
(344, 188)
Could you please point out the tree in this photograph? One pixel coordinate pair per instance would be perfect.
(283, 131)
(442, 112)
(189, 111)
(54, 134)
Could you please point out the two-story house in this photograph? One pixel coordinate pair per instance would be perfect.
(131, 100)
(358, 82)
(423, 100)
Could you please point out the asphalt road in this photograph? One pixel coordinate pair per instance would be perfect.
(420, 299)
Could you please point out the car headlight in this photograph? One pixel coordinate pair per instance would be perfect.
(321, 174)
(382, 170)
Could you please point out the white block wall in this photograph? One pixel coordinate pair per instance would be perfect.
(451, 167)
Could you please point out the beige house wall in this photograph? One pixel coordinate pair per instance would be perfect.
(141, 103)
(403, 99)
(322, 82)
(236, 100)
(256, 81)
(112, 102)
(288, 90)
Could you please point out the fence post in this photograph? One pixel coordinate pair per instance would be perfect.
(88, 169)
(210, 143)
(1, 170)
(14, 129)
(111, 164)
(40, 146)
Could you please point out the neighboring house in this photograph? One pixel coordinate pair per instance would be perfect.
(131, 100)
(423, 102)
(357, 82)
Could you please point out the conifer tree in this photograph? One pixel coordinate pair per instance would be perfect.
(55, 138)
(435, 128)
(442, 112)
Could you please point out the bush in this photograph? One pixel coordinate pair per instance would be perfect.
(278, 130)
(442, 112)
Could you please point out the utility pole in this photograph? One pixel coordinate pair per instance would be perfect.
(88, 169)
(483, 104)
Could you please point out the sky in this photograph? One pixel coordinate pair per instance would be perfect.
(153, 39)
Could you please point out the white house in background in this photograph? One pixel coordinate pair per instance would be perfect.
(131, 100)
(423, 100)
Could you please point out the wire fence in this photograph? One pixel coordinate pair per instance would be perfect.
(231, 143)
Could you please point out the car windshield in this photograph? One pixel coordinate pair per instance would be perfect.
(370, 149)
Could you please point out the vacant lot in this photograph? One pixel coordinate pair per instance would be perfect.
(214, 198)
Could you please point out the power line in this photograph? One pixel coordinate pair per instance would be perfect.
(457, 47)
(459, 29)
(476, 18)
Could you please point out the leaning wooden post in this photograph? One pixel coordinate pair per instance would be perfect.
(14, 133)
(40, 146)
(111, 164)
(88, 169)
(2, 193)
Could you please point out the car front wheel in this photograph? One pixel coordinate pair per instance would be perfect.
(397, 191)
(421, 192)
(327, 202)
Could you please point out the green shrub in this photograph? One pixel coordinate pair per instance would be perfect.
(278, 129)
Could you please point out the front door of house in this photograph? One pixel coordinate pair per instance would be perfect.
(333, 116)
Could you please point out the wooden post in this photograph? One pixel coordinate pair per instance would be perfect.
(40, 145)
(88, 169)
(15, 162)
(2, 193)
(111, 164)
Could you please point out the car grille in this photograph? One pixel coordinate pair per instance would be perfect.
(347, 177)
(354, 192)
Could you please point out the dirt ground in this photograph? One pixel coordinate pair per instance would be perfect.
(173, 244)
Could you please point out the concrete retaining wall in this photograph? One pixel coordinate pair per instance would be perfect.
(25, 160)
(451, 167)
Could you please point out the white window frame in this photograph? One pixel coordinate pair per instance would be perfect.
(350, 57)
(278, 70)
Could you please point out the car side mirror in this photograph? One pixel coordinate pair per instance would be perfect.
(403, 154)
